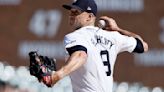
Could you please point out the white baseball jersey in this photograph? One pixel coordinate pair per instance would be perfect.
(96, 75)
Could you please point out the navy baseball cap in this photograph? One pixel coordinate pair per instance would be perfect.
(83, 5)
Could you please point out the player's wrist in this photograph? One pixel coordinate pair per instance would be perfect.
(56, 76)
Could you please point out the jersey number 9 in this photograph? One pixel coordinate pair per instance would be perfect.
(106, 61)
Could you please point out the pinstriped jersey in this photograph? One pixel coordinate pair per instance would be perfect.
(96, 75)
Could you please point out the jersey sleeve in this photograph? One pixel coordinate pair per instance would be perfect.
(75, 42)
(125, 43)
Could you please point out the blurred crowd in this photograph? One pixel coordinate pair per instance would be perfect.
(18, 79)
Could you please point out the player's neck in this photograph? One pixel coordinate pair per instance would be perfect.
(91, 24)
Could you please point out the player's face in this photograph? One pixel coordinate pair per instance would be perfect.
(77, 18)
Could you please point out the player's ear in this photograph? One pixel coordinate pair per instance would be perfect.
(90, 16)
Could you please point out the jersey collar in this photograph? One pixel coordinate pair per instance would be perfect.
(92, 27)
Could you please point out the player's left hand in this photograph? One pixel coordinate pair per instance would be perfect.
(111, 24)
(42, 67)
(52, 79)
(46, 77)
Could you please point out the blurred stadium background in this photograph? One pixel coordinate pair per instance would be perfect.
(40, 25)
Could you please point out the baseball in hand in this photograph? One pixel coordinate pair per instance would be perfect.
(102, 23)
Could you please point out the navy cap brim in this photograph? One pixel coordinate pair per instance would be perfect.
(69, 7)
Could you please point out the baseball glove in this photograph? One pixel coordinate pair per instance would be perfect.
(41, 66)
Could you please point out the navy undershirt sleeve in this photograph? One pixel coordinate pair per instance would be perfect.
(139, 47)
(76, 48)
